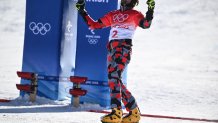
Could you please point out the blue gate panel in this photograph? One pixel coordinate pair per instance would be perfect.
(41, 53)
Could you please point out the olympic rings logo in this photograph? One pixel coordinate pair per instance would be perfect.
(93, 41)
(120, 17)
(39, 28)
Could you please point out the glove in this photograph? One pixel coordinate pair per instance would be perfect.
(80, 5)
(151, 4)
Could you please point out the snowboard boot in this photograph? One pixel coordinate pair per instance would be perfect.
(114, 117)
(132, 117)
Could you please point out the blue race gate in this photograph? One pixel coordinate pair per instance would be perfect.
(42, 43)
(58, 44)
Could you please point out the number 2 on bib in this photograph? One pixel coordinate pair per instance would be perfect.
(114, 33)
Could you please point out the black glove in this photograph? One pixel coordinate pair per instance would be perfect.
(80, 5)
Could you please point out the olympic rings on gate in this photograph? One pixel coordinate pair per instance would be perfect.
(39, 28)
(93, 41)
(120, 17)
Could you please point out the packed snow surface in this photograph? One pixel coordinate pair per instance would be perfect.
(173, 71)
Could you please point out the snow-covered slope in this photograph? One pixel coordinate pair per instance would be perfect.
(174, 67)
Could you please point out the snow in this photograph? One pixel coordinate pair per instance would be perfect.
(173, 71)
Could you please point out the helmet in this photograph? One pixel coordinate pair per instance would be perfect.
(132, 4)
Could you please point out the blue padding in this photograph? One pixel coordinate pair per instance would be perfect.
(41, 51)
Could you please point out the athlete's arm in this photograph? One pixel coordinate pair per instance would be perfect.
(90, 22)
(146, 22)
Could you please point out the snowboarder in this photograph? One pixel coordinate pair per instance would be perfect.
(123, 23)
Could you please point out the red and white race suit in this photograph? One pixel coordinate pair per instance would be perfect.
(123, 23)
